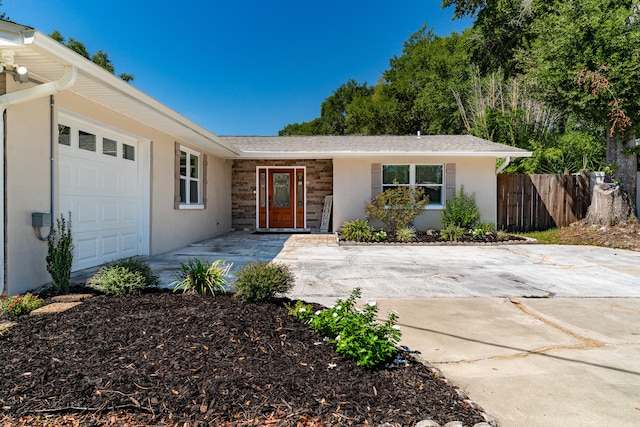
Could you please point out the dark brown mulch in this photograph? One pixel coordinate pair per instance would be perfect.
(170, 359)
(432, 236)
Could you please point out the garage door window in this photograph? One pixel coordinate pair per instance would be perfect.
(86, 141)
(64, 135)
(109, 147)
(128, 152)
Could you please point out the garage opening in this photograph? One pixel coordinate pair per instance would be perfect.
(100, 184)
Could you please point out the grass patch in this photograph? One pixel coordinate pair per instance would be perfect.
(553, 236)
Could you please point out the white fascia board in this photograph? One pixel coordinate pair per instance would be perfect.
(47, 46)
(333, 155)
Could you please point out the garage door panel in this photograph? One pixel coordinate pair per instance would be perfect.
(129, 212)
(129, 242)
(85, 250)
(109, 213)
(87, 178)
(86, 214)
(101, 192)
(110, 247)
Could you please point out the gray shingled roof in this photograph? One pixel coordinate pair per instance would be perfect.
(366, 146)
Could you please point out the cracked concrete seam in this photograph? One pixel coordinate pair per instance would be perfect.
(585, 343)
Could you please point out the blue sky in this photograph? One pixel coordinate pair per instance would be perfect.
(241, 67)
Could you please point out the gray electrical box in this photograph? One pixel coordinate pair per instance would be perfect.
(40, 219)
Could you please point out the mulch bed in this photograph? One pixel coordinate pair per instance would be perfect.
(167, 359)
(433, 236)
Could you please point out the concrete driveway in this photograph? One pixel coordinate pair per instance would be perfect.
(538, 335)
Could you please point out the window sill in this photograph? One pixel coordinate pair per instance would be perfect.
(434, 207)
(192, 207)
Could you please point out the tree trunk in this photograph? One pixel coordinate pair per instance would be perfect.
(626, 173)
(609, 205)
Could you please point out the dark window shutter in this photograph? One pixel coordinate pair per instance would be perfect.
(376, 179)
(176, 169)
(205, 163)
(450, 180)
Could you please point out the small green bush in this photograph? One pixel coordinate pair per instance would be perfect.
(355, 333)
(357, 230)
(380, 236)
(261, 281)
(60, 254)
(138, 265)
(202, 278)
(461, 211)
(502, 235)
(21, 304)
(397, 207)
(406, 234)
(452, 233)
(116, 280)
(486, 227)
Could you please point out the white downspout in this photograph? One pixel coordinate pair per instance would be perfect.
(46, 89)
(504, 165)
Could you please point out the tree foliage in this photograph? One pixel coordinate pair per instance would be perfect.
(560, 78)
(584, 60)
(100, 58)
(413, 95)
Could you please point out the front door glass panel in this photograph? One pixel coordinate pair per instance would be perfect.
(281, 190)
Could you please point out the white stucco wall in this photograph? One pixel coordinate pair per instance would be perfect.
(27, 183)
(352, 186)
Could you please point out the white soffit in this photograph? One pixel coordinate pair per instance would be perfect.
(45, 58)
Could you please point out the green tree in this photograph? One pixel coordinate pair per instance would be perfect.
(414, 94)
(421, 80)
(584, 60)
(100, 58)
(3, 16)
(502, 29)
(333, 112)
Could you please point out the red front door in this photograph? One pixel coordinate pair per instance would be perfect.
(281, 198)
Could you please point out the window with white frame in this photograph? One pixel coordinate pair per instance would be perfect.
(429, 177)
(190, 183)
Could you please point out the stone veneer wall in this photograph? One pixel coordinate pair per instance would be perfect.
(319, 178)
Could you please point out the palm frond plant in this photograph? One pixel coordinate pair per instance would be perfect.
(201, 277)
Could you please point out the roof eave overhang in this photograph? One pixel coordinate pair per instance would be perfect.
(336, 155)
(51, 48)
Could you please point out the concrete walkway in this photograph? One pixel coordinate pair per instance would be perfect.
(571, 358)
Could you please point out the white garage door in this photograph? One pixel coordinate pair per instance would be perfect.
(98, 177)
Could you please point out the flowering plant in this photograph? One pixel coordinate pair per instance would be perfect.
(354, 332)
(380, 236)
(21, 304)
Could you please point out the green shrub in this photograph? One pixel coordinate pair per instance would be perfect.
(21, 304)
(357, 231)
(486, 227)
(406, 234)
(355, 333)
(116, 280)
(261, 281)
(301, 310)
(461, 211)
(138, 265)
(60, 254)
(397, 207)
(502, 235)
(200, 277)
(380, 236)
(452, 233)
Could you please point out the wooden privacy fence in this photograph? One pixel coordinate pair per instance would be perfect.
(541, 202)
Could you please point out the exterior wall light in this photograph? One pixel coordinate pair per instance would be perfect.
(22, 74)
